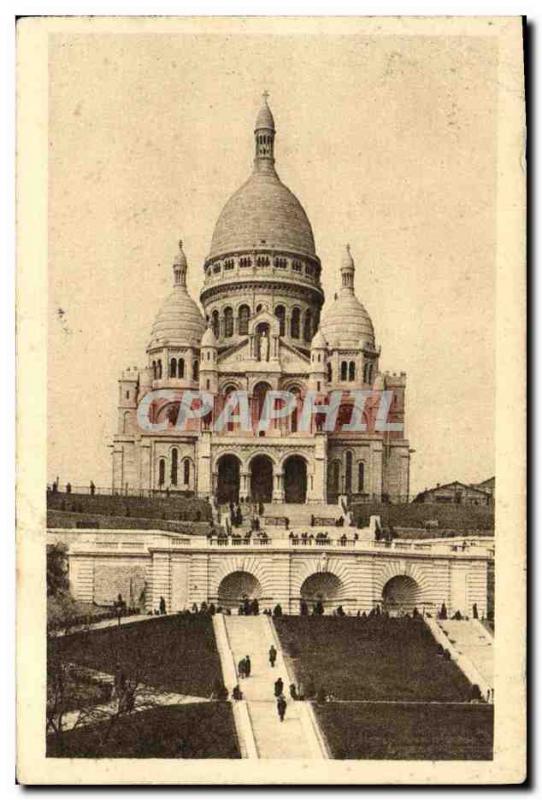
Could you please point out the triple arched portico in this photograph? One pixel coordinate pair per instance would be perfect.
(261, 478)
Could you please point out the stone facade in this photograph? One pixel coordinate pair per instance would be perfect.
(262, 328)
(186, 570)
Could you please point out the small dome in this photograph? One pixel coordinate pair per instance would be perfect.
(347, 260)
(209, 338)
(265, 117)
(180, 257)
(179, 321)
(318, 341)
(346, 323)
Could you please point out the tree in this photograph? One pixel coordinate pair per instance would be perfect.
(277, 611)
(318, 608)
(77, 697)
(303, 608)
(57, 569)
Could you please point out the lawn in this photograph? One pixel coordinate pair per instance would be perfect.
(377, 658)
(174, 653)
(403, 731)
(451, 516)
(196, 730)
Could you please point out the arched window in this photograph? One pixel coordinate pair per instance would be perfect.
(195, 370)
(215, 323)
(180, 368)
(186, 471)
(280, 313)
(173, 368)
(244, 316)
(126, 422)
(348, 472)
(161, 471)
(159, 368)
(370, 373)
(228, 322)
(344, 370)
(294, 416)
(361, 476)
(329, 373)
(154, 371)
(352, 371)
(174, 466)
(295, 323)
(307, 326)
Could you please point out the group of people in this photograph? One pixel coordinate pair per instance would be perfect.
(320, 538)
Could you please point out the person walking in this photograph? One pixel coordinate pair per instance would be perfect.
(241, 668)
(281, 707)
(279, 686)
(272, 655)
(248, 666)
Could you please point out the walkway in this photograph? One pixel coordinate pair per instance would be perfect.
(298, 735)
(471, 640)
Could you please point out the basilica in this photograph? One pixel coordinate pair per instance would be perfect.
(264, 326)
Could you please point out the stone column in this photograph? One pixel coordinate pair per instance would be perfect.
(244, 487)
(278, 487)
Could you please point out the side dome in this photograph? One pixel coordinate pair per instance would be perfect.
(179, 320)
(263, 212)
(346, 323)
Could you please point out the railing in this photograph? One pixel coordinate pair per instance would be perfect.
(300, 543)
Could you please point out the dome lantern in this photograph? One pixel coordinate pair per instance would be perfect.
(180, 267)
(264, 137)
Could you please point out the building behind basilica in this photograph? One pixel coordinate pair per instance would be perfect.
(264, 326)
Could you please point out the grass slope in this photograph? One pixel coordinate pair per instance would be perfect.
(395, 731)
(198, 730)
(175, 653)
(371, 659)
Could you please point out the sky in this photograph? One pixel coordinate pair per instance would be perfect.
(389, 142)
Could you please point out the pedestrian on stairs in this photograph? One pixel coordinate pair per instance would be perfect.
(281, 707)
(279, 686)
(248, 666)
(272, 655)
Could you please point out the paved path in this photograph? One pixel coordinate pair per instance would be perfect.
(146, 697)
(110, 623)
(297, 736)
(470, 639)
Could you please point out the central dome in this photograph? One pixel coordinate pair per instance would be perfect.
(263, 213)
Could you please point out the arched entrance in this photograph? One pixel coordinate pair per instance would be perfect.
(228, 479)
(236, 587)
(400, 595)
(261, 479)
(323, 586)
(295, 480)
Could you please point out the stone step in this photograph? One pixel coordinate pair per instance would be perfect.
(293, 738)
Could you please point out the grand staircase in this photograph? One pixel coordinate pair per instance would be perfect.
(298, 736)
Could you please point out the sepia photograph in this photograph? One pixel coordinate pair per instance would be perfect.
(276, 296)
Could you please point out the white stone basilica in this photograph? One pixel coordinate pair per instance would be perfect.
(261, 329)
